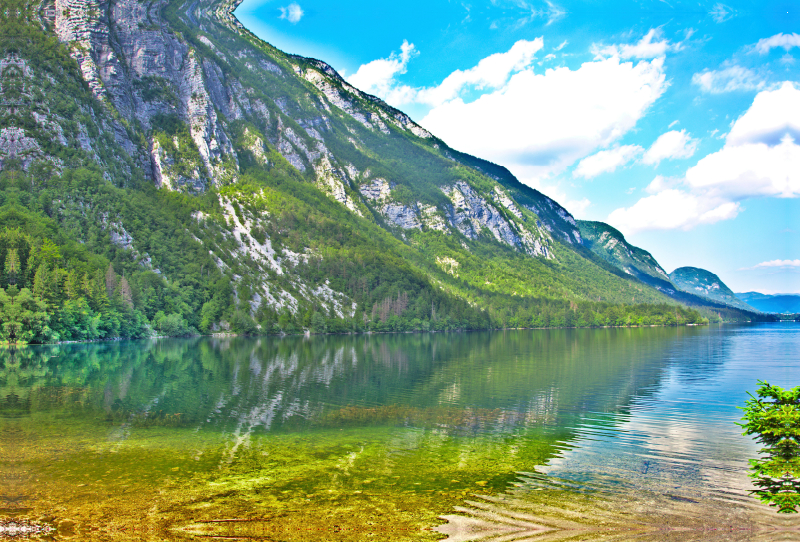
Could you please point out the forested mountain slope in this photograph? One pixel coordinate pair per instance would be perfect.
(162, 167)
(708, 285)
(610, 245)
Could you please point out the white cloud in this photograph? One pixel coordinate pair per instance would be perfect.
(292, 13)
(777, 263)
(727, 80)
(773, 115)
(551, 56)
(606, 161)
(644, 48)
(661, 183)
(751, 170)
(671, 209)
(759, 159)
(721, 13)
(671, 145)
(378, 76)
(492, 72)
(786, 41)
(540, 124)
(536, 124)
(561, 46)
(673, 123)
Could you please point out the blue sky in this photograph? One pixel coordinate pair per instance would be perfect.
(673, 121)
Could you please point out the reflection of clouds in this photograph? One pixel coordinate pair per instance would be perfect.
(682, 439)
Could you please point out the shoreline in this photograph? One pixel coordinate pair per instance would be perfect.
(309, 334)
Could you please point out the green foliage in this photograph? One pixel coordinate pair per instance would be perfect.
(774, 418)
(23, 317)
(173, 135)
(172, 326)
(156, 89)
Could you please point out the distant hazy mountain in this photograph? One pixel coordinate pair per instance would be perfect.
(780, 303)
(707, 285)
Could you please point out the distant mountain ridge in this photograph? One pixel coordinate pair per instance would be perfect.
(708, 285)
(778, 303)
(693, 286)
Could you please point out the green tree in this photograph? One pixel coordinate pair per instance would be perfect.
(125, 292)
(774, 418)
(12, 267)
(111, 280)
(23, 317)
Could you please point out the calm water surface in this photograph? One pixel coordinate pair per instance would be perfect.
(516, 435)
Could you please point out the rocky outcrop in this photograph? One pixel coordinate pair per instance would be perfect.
(168, 174)
(18, 95)
(377, 189)
(14, 144)
(331, 180)
(501, 196)
(406, 216)
(556, 220)
(470, 214)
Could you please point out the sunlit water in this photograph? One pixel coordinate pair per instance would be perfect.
(515, 435)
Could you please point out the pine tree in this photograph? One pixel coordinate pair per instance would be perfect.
(125, 291)
(12, 265)
(72, 286)
(41, 283)
(99, 294)
(56, 282)
(86, 286)
(111, 281)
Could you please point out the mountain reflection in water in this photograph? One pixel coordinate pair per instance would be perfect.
(509, 435)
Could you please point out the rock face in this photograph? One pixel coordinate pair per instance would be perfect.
(414, 216)
(470, 214)
(140, 68)
(18, 140)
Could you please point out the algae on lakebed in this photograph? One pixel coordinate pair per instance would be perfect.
(393, 482)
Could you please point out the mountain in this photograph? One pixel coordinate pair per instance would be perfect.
(610, 245)
(162, 167)
(780, 303)
(707, 285)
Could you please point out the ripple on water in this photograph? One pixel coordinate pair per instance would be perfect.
(671, 465)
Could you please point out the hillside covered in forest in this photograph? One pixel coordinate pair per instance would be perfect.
(164, 171)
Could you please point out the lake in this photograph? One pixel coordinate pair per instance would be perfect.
(511, 435)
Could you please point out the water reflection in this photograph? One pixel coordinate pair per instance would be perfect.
(410, 423)
(673, 462)
(271, 383)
